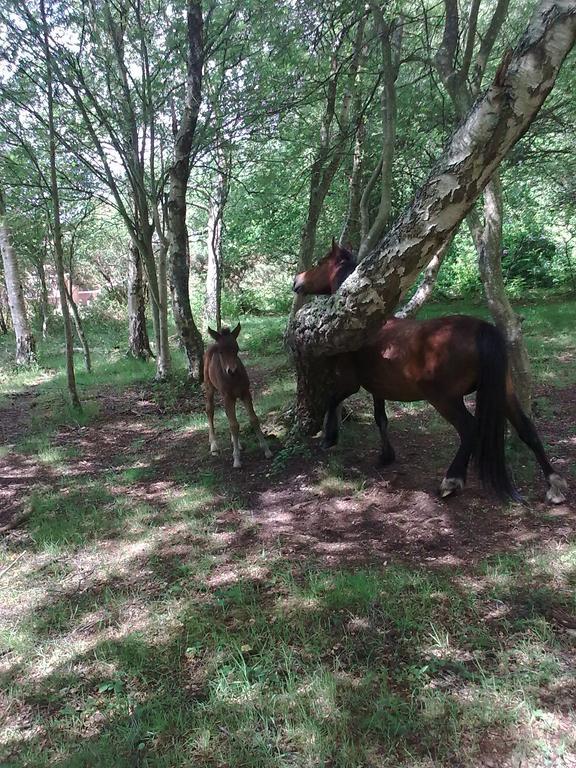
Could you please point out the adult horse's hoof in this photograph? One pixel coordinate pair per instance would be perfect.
(268, 453)
(451, 485)
(387, 457)
(557, 489)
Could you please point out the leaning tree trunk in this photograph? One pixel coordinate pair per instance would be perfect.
(179, 175)
(493, 125)
(25, 342)
(138, 341)
(56, 225)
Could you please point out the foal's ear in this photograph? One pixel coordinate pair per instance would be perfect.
(236, 331)
(215, 335)
(335, 246)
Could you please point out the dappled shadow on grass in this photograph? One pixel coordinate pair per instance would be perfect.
(312, 610)
(383, 666)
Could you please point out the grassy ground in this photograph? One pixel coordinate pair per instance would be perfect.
(158, 609)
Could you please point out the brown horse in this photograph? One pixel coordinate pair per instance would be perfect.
(440, 361)
(225, 373)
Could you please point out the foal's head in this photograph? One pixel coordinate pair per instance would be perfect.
(329, 274)
(227, 348)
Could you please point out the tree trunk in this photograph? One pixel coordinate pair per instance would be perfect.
(25, 342)
(328, 156)
(56, 226)
(492, 127)
(488, 242)
(213, 306)
(158, 294)
(350, 235)
(80, 330)
(487, 238)
(44, 303)
(426, 287)
(179, 175)
(3, 325)
(391, 43)
(138, 341)
(163, 354)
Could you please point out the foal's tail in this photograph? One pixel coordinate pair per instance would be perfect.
(491, 412)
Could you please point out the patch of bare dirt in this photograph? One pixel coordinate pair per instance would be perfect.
(370, 514)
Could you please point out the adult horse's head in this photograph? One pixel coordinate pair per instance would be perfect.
(329, 274)
(227, 347)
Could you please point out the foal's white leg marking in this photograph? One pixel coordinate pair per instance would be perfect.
(451, 485)
(557, 488)
(236, 450)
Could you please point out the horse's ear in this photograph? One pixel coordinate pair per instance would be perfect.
(215, 335)
(236, 331)
(335, 246)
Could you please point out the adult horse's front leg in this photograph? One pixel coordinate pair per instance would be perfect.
(387, 454)
(254, 421)
(230, 408)
(464, 423)
(526, 430)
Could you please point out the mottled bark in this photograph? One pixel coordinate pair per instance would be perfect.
(25, 342)
(138, 341)
(491, 128)
(56, 225)
(179, 175)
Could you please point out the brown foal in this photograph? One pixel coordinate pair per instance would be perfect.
(439, 360)
(225, 373)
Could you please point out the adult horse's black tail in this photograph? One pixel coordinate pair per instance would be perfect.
(491, 412)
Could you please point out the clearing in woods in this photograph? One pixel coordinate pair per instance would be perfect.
(158, 608)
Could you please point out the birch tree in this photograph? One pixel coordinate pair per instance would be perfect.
(25, 341)
(490, 129)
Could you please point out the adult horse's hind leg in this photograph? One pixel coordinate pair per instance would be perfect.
(464, 423)
(209, 389)
(254, 421)
(557, 486)
(387, 454)
(230, 407)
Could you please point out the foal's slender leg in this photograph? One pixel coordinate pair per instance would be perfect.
(230, 408)
(557, 486)
(464, 423)
(387, 455)
(248, 404)
(210, 413)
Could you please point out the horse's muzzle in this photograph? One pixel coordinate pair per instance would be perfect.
(298, 284)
